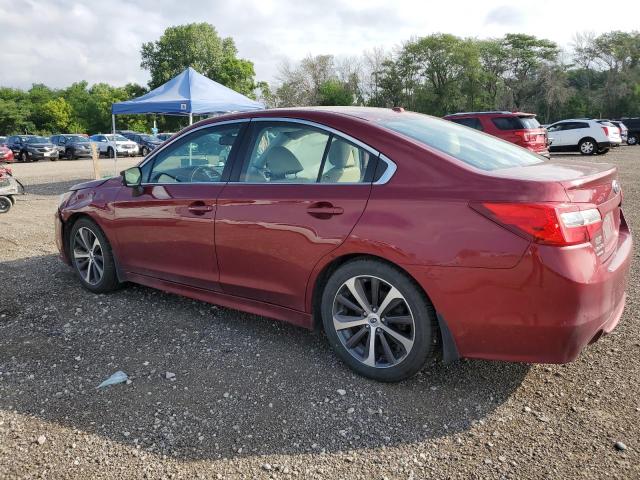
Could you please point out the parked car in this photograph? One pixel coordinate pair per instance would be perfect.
(624, 131)
(165, 136)
(450, 239)
(72, 146)
(633, 125)
(586, 136)
(3, 140)
(108, 144)
(612, 132)
(6, 155)
(146, 143)
(30, 148)
(516, 127)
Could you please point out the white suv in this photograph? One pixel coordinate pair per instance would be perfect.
(583, 135)
(108, 143)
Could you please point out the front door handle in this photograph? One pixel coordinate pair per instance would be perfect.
(199, 208)
(324, 210)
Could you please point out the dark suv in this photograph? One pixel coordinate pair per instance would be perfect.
(633, 125)
(72, 146)
(30, 148)
(516, 127)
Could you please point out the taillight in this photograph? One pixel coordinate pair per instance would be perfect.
(524, 135)
(546, 223)
(606, 131)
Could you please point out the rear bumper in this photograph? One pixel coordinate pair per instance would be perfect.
(545, 310)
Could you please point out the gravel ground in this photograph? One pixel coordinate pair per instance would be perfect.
(215, 393)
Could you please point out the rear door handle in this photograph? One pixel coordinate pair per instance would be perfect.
(324, 210)
(199, 208)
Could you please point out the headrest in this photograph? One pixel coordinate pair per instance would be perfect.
(281, 162)
(340, 154)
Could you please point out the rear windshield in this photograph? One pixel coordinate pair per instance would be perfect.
(465, 144)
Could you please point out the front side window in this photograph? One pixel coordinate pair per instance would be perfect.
(198, 157)
(473, 148)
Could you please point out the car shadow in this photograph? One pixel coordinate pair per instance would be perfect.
(243, 385)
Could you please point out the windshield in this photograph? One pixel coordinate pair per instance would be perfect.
(118, 138)
(76, 138)
(148, 138)
(164, 136)
(465, 144)
(37, 140)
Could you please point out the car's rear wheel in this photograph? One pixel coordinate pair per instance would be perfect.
(632, 139)
(588, 146)
(24, 157)
(92, 257)
(70, 154)
(378, 321)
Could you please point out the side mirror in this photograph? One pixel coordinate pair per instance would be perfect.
(132, 177)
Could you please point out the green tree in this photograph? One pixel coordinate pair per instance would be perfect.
(334, 92)
(56, 115)
(197, 45)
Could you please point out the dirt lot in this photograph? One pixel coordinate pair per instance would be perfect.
(254, 398)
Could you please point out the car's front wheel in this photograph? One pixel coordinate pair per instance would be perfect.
(24, 157)
(632, 139)
(110, 152)
(378, 321)
(92, 257)
(145, 151)
(70, 154)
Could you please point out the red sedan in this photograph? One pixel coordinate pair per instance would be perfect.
(399, 233)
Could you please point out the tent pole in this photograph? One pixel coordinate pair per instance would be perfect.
(191, 119)
(115, 148)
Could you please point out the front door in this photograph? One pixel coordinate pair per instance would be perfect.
(166, 231)
(295, 197)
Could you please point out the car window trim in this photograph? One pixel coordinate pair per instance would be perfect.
(157, 151)
(332, 132)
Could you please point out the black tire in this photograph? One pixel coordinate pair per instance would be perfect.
(144, 151)
(70, 154)
(110, 152)
(632, 139)
(23, 157)
(419, 308)
(588, 146)
(5, 204)
(109, 279)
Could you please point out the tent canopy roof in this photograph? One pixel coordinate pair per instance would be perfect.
(188, 92)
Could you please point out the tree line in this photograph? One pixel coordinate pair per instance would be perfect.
(443, 73)
(599, 76)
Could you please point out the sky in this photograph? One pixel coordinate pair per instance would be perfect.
(58, 42)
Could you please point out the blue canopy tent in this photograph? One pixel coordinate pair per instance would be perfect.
(186, 94)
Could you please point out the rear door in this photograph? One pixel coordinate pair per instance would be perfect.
(167, 230)
(295, 196)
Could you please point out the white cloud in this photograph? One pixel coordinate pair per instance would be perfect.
(58, 42)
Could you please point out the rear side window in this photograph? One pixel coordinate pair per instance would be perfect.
(529, 122)
(508, 123)
(473, 148)
(469, 122)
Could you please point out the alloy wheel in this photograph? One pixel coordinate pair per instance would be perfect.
(587, 147)
(373, 321)
(88, 256)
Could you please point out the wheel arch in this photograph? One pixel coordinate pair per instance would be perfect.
(446, 341)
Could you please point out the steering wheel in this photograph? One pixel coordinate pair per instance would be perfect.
(160, 175)
(205, 173)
